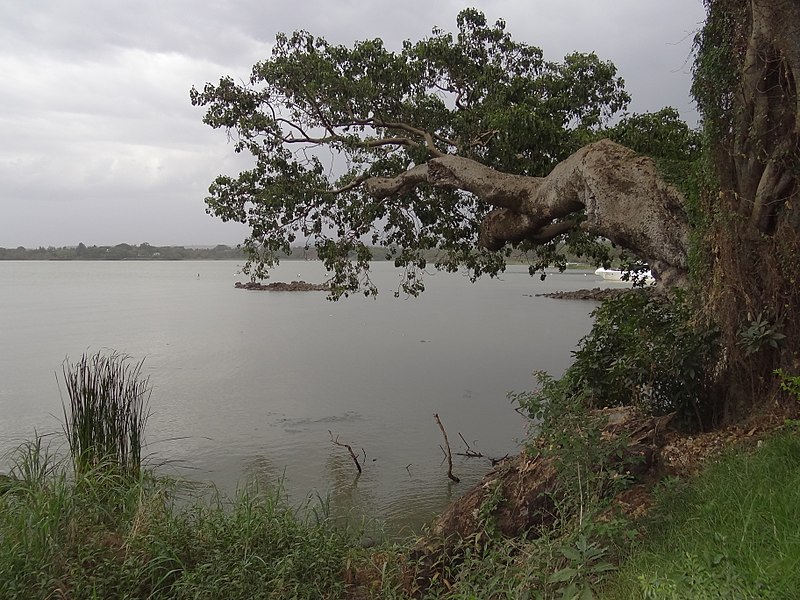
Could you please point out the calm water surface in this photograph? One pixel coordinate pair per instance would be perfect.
(249, 384)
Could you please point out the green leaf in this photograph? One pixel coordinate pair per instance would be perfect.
(565, 574)
(603, 567)
(382, 112)
(571, 554)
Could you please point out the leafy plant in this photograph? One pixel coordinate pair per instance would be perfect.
(488, 508)
(589, 465)
(759, 333)
(644, 350)
(791, 385)
(703, 580)
(586, 563)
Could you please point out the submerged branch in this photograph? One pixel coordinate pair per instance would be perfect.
(470, 453)
(353, 455)
(449, 453)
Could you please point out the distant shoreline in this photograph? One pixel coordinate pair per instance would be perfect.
(142, 252)
(148, 252)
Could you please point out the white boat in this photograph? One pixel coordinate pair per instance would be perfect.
(616, 275)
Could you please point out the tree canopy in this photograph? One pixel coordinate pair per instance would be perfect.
(363, 145)
(473, 145)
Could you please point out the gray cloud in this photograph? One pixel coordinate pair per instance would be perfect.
(100, 143)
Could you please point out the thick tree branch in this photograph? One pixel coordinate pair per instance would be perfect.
(425, 135)
(300, 136)
(497, 188)
(552, 231)
(383, 187)
(621, 193)
(350, 186)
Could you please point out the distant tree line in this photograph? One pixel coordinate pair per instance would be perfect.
(143, 251)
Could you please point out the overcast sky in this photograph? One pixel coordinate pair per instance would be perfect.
(100, 144)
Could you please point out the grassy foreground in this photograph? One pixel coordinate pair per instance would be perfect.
(731, 533)
(102, 534)
(96, 525)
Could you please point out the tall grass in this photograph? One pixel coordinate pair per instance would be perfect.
(107, 411)
(103, 534)
(97, 525)
(731, 533)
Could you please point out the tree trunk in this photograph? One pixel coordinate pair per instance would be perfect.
(753, 275)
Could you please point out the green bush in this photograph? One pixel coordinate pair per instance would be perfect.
(644, 350)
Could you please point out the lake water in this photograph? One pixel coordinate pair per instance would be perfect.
(249, 384)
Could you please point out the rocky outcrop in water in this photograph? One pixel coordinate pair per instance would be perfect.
(597, 294)
(282, 286)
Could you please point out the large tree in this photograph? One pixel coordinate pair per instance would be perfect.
(748, 238)
(473, 145)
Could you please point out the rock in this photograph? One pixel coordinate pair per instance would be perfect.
(597, 294)
(282, 286)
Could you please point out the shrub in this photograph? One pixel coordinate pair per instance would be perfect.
(644, 350)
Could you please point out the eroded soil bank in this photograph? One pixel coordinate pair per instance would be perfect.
(520, 495)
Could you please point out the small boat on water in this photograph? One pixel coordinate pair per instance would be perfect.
(616, 275)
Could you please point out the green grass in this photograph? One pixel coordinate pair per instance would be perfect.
(733, 532)
(102, 534)
(96, 524)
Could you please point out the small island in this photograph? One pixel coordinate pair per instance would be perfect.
(282, 286)
(595, 294)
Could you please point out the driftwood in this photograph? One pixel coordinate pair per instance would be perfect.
(469, 452)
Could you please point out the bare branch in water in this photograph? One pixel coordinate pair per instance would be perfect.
(449, 453)
(349, 449)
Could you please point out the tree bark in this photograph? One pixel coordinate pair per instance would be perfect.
(604, 188)
(767, 119)
(749, 63)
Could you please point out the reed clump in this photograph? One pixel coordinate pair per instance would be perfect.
(96, 524)
(107, 412)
